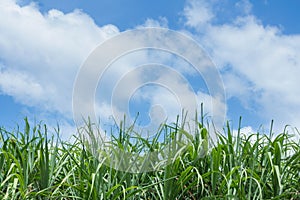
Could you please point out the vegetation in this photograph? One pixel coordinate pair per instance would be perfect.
(239, 166)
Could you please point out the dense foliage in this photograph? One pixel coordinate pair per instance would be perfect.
(238, 166)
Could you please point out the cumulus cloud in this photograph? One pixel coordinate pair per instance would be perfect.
(260, 65)
(198, 13)
(40, 54)
(161, 22)
(268, 60)
(246, 131)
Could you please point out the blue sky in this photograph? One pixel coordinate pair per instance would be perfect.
(254, 44)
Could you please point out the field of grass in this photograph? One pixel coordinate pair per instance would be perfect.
(34, 165)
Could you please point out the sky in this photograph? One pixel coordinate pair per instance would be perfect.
(254, 46)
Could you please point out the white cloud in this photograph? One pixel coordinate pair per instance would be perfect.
(259, 64)
(41, 53)
(161, 22)
(265, 58)
(198, 13)
(247, 131)
(14, 83)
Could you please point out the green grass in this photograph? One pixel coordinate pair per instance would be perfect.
(257, 166)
